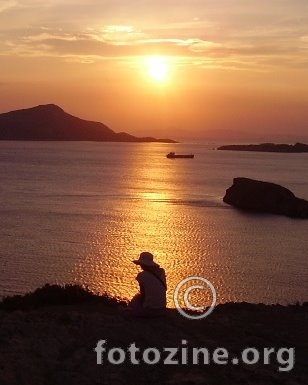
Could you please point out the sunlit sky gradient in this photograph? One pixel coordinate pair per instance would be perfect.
(234, 66)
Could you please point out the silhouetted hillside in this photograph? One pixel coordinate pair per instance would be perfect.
(48, 337)
(50, 122)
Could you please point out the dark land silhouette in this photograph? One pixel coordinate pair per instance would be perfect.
(267, 147)
(48, 338)
(258, 196)
(50, 122)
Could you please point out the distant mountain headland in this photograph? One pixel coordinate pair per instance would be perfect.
(50, 122)
(267, 147)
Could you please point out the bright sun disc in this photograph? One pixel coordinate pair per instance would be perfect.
(157, 68)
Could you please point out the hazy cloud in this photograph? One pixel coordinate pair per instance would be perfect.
(7, 4)
(234, 33)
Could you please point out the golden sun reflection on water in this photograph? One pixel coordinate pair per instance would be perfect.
(149, 222)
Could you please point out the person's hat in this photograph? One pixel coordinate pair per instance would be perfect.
(145, 259)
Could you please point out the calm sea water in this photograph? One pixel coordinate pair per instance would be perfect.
(80, 212)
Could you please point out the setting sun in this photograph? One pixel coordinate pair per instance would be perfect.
(157, 68)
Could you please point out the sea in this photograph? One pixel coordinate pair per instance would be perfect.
(81, 212)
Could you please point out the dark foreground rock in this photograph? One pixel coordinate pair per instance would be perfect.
(258, 196)
(45, 343)
(267, 147)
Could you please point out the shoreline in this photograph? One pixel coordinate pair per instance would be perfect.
(23, 297)
(48, 337)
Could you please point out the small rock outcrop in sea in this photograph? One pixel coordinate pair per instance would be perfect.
(258, 196)
(267, 147)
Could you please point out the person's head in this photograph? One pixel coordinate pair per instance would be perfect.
(146, 261)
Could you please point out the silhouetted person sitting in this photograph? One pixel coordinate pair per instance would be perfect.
(151, 301)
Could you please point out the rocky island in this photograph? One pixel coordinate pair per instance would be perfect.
(258, 196)
(267, 147)
(48, 337)
(50, 122)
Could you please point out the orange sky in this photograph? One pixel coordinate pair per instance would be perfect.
(234, 68)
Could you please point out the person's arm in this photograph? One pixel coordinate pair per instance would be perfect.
(139, 279)
(142, 293)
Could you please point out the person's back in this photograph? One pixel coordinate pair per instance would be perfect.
(153, 283)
